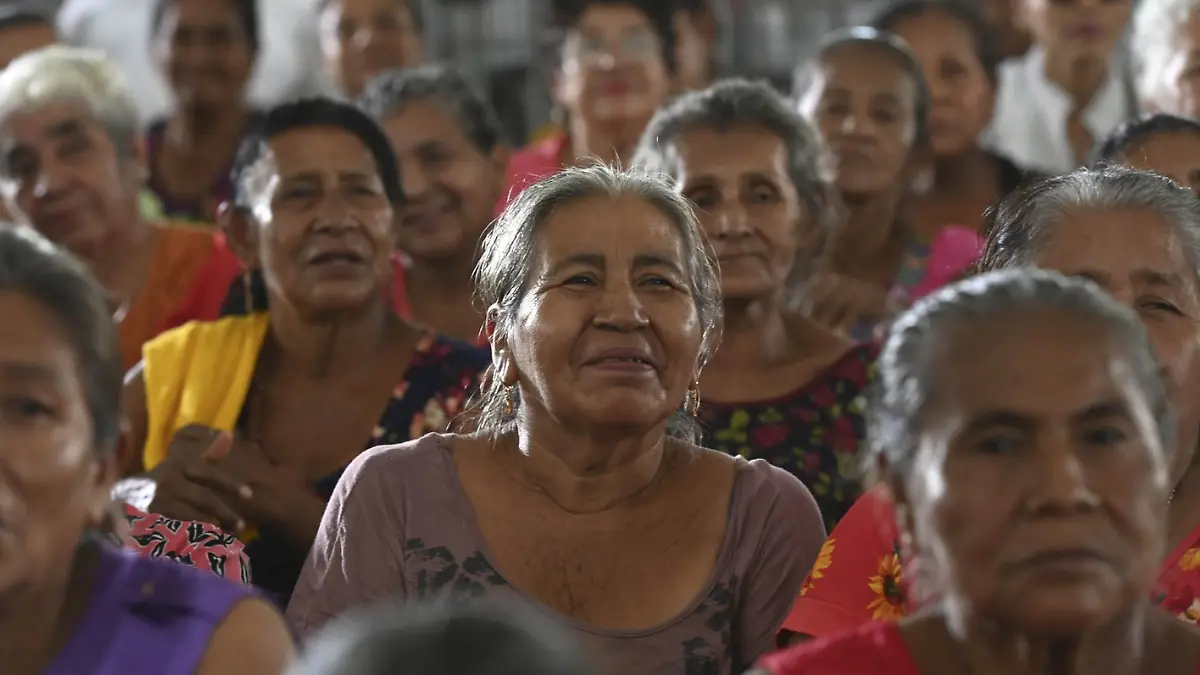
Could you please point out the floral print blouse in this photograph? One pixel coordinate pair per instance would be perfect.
(814, 433)
(859, 575)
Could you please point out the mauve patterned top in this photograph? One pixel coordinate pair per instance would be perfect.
(400, 525)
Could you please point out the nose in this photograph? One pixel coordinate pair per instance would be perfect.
(51, 179)
(333, 212)
(856, 125)
(362, 39)
(729, 220)
(620, 309)
(1061, 485)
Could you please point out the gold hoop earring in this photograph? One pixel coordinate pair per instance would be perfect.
(510, 400)
(691, 401)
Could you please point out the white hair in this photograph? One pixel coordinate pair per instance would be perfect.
(83, 77)
(1155, 26)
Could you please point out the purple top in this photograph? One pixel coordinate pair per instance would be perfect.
(146, 617)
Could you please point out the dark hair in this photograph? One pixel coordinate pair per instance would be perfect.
(34, 267)
(1117, 144)
(886, 43)
(911, 353)
(17, 14)
(304, 113)
(565, 15)
(246, 12)
(442, 640)
(413, 7)
(982, 35)
(387, 92)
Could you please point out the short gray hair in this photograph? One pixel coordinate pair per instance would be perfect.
(84, 77)
(1156, 23)
(909, 358)
(389, 91)
(1020, 224)
(737, 102)
(502, 274)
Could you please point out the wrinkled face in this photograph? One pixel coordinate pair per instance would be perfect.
(52, 485)
(204, 53)
(607, 334)
(1076, 28)
(1039, 485)
(362, 38)
(1178, 90)
(751, 211)
(864, 104)
(61, 174)
(450, 186)
(320, 225)
(1174, 155)
(1135, 256)
(613, 69)
(961, 95)
(23, 38)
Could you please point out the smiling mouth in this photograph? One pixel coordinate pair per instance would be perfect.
(336, 259)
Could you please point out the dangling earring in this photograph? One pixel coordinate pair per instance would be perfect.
(510, 400)
(691, 401)
(248, 290)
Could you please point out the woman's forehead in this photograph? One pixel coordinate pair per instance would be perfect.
(620, 228)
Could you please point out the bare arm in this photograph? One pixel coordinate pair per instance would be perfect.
(252, 640)
(133, 401)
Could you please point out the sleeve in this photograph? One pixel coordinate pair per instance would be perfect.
(357, 557)
(857, 574)
(212, 281)
(791, 531)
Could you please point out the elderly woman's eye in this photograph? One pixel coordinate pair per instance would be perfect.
(661, 282)
(579, 280)
(1104, 436)
(998, 444)
(24, 408)
(1157, 305)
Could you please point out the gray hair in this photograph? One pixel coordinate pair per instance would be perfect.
(502, 274)
(737, 102)
(389, 91)
(83, 77)
(1156, 24)
(909, 358)
(1020, 224)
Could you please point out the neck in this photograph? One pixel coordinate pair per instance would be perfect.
(756, 333)
(584, 470)
(448, 277)
(612, 143)
(330, 346)
(197, 129)
(122, 266)
(965, 171)
(1116, 649)
(869, 227)
(1081, 76)
(34, 623)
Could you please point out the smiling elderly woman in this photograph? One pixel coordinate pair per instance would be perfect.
(582, 492)
(1023, 428)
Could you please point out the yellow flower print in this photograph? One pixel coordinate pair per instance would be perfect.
(435, 416)
(1192, 613)
(889, 602)
(824, 558)
(1190, 559)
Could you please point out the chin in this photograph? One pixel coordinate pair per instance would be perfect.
(1067, 612)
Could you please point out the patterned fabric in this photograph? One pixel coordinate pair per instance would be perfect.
(440, 379)
(812, 433)
(874, 649)
(859, 576)
(200, 545)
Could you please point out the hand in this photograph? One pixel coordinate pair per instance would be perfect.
(178, 495)
(265, 492)
(840, 302)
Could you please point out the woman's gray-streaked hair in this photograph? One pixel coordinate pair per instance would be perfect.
(1156, 24)
(83, 77)
(502, 274)
(1021, 223)
(389, 91)
(738, 102)
(908, 361)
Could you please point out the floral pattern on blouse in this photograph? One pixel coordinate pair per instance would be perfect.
(813, 433)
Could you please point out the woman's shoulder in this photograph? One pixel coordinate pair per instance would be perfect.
(417, 461)
(153, 586)
(447, 352)
(874, 649)
(774, 499)
(215, 333)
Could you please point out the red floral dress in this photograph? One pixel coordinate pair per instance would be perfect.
(859, 575)
(814, 433)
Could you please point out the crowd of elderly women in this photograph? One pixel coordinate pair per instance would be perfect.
(779, 398)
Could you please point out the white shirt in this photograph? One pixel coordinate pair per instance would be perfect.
(1030, 123)
(289, 60)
